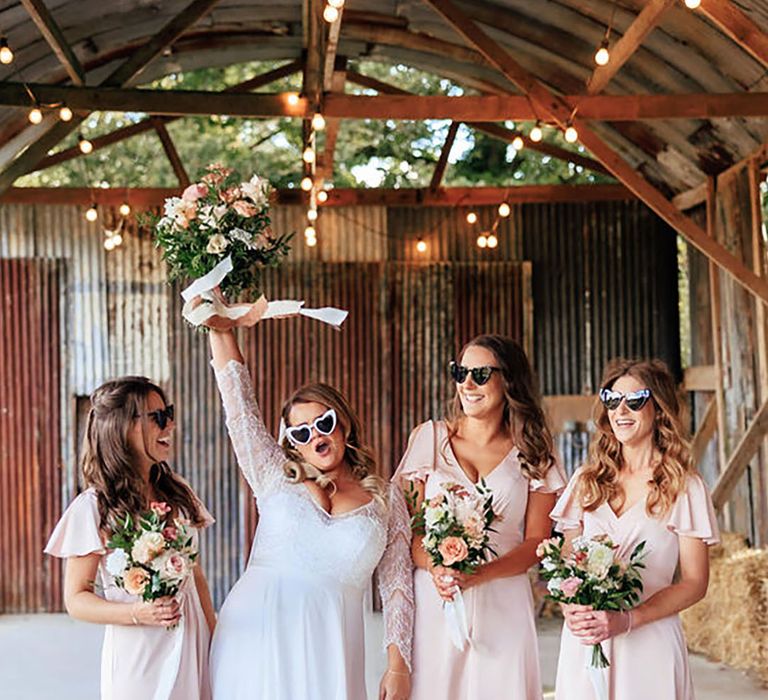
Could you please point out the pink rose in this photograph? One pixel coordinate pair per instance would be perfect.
(570, 586)
(176, 565)
(244, 208)
(230, 195)
(194, 192)
(170, 533)
(453, 550)
(135, 580)
(160, 507)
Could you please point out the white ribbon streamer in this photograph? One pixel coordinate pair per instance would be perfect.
(598, 676)
(261, 309)
(456, 619)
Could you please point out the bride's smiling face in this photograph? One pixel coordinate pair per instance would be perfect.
(324, 452)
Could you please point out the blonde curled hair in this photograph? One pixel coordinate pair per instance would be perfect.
(358, 456)
(599, 478)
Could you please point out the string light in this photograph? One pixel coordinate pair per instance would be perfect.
(518, 143)
(338, 4)
(308, 155)
(84, 144)
(602, 56)
(309, 232)
(322, 196)
(492, 241)
(471, 218)
(117, 239)
(92, 213)
(35, 115)
(306, 183)
(311, 241)
(312, 214)
(293, 99)
(504, 210)
(6, 55)
(125, 209)
(571, 135)
(482, 241)
(421, 246)
(536, 133)
(65, 113)
(330, 14)
(318, 122)
(109, 244)
(692, 4)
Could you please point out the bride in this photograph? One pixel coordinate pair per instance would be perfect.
(292, 626)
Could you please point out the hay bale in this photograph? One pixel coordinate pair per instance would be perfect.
(731, 623)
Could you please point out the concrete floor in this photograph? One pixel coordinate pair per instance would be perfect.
(51, 657)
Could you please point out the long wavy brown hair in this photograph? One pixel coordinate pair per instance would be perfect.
(599, 478)
(110, 467)
(523, 416)
(359, 457)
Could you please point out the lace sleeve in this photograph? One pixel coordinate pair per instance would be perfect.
(258, 454)
(396, 577)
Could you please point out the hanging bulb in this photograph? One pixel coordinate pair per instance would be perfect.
(692, 4)
(84, 144)
(602, 56)
(109, 243)
(421, 246)
(306, 183)
(6, 55)
(312, 214)
(571, 135)
(293, 99)
(482, 241)
(309, 232)
(518, 143)
(92, 213)
(338, 4)
(330, 14)
(318, 122)
(311, 241)
(536, 133)
(65, 113)
(492, 241)
(471, 218)
(504, 210)
(322, 196)
(308, 155)
(35, 116)
(117, 239)
(125, 209)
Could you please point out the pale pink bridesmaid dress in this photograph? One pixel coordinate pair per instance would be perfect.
(151, 663)
(651, 662)
(502, 659)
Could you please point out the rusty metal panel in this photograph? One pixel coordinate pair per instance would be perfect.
(30, 463)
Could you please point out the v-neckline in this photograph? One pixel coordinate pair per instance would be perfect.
(456, 461)
(644, 499)
(333, 516)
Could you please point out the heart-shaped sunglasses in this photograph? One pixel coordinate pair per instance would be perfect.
(635, 399)
(302, 434)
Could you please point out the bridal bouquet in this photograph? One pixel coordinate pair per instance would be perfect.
(456, 526)
(151, 557)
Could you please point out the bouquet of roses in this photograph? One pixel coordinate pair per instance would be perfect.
(456, 526)
(151, 557)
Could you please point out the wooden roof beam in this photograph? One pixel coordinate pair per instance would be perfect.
(561, 112)
(53, 35)
(324, 170)
(738, 26)
(171, 152)
(622, 51)
(442, 163)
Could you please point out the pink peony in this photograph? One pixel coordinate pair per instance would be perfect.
(194, 192)
(244, 208)
(453, 550)
(160, 507)
(135, 580)
(570, 586)
(170, 533)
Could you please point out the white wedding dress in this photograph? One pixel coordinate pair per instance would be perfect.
(292, 626)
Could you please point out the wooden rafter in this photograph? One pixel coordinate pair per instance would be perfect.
(622, 51)
(437, 175)
(705, 432)
(733, 22)
(331, 49)
(332, 127)
(171, 152)
(563, 113)
(55, 38)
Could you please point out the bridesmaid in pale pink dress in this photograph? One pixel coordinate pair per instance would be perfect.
(639, 484)
(495, 431)
(127, 443)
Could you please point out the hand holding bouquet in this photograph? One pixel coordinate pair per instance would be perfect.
(456, 527)
(151, 557)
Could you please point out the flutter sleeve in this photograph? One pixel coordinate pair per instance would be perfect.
(693, 514)
(77, 532)
(568, 513)
(395, 575)
(418, 462)
(554, 480)
(258, 455)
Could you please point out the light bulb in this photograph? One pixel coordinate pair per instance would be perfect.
(6, 55)
(322, 196)
(65, 114)
(84, 144)
(306, 184)
(338, 4)
(571, 135)
(471, 218)
(482, 241)
(421, 246)
(293, 99)
(518, 143)
(312, 214)
(109, 244)
(318, 122)
(92, 213)
(536, 134)
(504, 209)
(35, 115)
(125, 209)
(311, 241)
(692, 4)
(330, 14)
(492, 241)
(117, 239)
(602, 56)
(309, 232)
(308, 155)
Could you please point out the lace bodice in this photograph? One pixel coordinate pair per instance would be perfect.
(296, 535)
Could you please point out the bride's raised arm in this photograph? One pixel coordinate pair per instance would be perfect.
(258, 454)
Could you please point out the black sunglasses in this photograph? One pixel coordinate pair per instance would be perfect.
(480, 375)
(635, 399)
(161, 416)
(302, 434)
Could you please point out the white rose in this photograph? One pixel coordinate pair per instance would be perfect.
(117, 562)
(256, 190)
(432, 516)
(173, 207)
(217, 244)
(147, 547)
(241, 235)
(600, 559)
(554, 585)
(465, 509)
(171, 566)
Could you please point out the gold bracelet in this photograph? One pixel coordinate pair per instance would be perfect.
(399, 673)
(134, 619)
